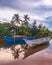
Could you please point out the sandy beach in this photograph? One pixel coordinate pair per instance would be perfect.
(42, 56)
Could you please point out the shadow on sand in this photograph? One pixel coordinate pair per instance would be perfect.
(35, 49)
(30, 51)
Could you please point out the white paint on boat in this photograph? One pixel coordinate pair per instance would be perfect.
(37, 41)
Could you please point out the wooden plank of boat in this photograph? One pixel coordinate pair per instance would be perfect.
(37, 41)
(19, 36)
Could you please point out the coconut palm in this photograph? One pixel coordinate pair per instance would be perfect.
(26, 19)
(15, 18)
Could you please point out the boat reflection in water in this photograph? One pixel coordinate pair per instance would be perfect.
(22, 51)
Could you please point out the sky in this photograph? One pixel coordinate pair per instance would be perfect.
(36, 9)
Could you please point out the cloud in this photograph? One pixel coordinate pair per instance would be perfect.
(6, 13)
(36, 9)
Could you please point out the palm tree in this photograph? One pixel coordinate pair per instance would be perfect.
(34, 28)
(34, 24)
(26, 19)
(15, 18)
(15, 52)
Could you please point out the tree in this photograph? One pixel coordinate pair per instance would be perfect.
(34, 24)
(4, 30)
(15, 18)
(25, 21)
(40, 26)
(34, 28)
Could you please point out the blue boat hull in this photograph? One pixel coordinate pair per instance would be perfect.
(13, 41)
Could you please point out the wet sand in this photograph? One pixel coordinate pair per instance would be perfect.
(42, 56)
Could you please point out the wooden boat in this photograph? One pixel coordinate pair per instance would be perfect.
(18, 40)
(37, 41)
(35, 47)
(31, 41)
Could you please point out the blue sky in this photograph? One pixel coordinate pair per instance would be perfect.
(36, 9)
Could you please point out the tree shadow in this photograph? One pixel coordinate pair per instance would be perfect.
(28, 50)
(35, 49)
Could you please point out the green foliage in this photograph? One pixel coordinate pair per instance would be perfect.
(24, 29)
(4, 30)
